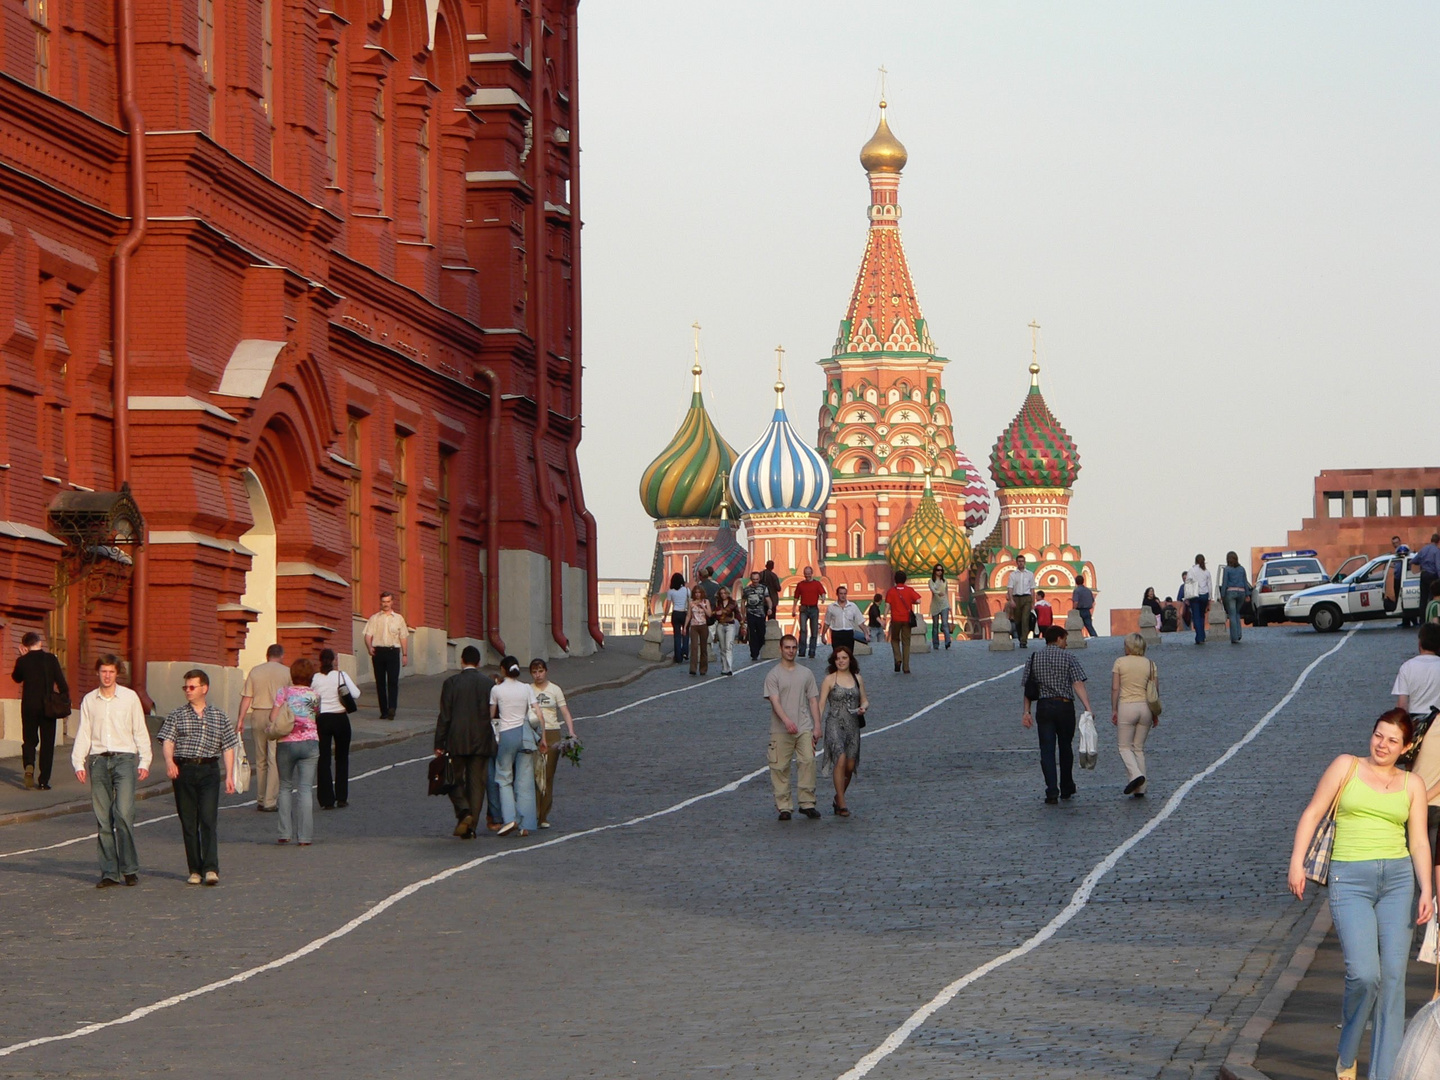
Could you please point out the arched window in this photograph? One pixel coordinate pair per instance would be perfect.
(332, 120)
(378, 115)
(863, 467)
(39, 12)
(422, 165)
(207, 55)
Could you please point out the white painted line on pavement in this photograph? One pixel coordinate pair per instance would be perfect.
(1081, 896)
(410, 890)
(171, 817)
(716, 680)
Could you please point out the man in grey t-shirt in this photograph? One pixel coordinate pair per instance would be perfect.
(792, 692)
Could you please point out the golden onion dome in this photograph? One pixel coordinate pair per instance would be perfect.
(687, 480)
(884, 152)
(927, 539)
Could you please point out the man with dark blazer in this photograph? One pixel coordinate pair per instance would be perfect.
(40, 675)
(464, 732)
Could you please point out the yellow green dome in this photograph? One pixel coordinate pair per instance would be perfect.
(884, 152)
(687, 480)
(926, 540)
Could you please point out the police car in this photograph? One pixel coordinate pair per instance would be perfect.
(1359, 595)
(1282, 573)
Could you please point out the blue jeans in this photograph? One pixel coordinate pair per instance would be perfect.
(1233, 603)
(1370, 903)
(298, 761)
(941, 621)
(514, 772)
(1085, 617)
(112, 794)
(682, 639)
(1197, 615)
(809, 617)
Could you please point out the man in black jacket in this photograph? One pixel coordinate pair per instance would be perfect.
(41, 676)
(464, 732)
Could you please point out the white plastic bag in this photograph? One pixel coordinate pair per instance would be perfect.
(241, 772)
(1430, 946)
(1419, 1057)
(1089, 741)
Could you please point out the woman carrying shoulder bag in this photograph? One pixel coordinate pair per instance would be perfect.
(1376, 807)
(333, 725)
(1130, 709)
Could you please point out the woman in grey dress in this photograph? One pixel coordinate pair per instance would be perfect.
(842, 697)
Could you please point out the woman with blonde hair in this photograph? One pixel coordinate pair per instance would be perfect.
(1130, 709)
(727, 625)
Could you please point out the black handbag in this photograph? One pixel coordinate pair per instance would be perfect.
(56, 705)
(1032, 684)
(1422, 725)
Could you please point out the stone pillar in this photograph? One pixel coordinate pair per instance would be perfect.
(1147, 628)
(919, 641)
(1001, 630)
(1075, 628)
(654, 642)
(771, 649)
(1217, 623)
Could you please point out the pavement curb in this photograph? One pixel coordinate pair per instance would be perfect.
(149, 791)
(1240, 1062)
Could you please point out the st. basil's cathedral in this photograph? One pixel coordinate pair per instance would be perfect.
(886, 486)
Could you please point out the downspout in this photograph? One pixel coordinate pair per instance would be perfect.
(134, 125)
(549, 508)
(592, 557)
(492, 515)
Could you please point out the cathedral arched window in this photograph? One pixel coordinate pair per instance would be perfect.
(422, 166)
(377, 115)
(332, 121)
(863, 467)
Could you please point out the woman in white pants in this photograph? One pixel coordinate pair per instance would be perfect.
(1130, 711)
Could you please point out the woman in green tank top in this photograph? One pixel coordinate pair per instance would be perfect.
(1381, 847)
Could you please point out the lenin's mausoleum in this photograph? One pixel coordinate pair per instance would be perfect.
(289, 314)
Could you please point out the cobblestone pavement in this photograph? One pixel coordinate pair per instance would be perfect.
(714, 941)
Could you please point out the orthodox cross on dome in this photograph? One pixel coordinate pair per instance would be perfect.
(1034, 354)
(779, 369)
(883, 73)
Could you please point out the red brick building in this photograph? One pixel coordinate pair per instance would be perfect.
(304, 279)
(1357, 511)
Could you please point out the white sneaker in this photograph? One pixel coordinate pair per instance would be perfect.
(544, 824)
(507, 827)
(193, 879)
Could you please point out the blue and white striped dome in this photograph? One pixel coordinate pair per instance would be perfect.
(781, 471)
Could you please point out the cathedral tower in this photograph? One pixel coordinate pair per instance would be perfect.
(885, 421)
(683, 490)
(1034, 465)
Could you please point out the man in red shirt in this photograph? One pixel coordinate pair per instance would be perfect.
(901, 600)
(808, 594)
(1044, 614)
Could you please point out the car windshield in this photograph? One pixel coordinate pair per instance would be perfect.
(1372, 572)
(1288, 568)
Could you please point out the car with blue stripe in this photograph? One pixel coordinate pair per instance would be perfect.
(1359, 595)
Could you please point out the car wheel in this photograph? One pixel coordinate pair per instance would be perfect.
(1326, 618)
(1259, 617)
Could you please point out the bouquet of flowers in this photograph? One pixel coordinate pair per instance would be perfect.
(571, 748)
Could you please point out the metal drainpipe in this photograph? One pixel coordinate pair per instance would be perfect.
(592, 557)
(492, 515)
(134, 125)
(549, 508)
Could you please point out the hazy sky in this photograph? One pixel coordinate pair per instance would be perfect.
(1224, 217)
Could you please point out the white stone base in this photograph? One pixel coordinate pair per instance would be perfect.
(1001, 639)
(1075, 636)
(771, 649)
(862, 648)
(163, 680)
(654, 640)
(919, 643)
(1217, 623)
(525, 607)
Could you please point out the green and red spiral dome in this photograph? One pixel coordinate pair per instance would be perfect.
(1034, 451)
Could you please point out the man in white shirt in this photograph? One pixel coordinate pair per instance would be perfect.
(1417, 691)
(842, 619)
(1197, 597)
(1021, 593)
(112, 753)
(387, 637)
